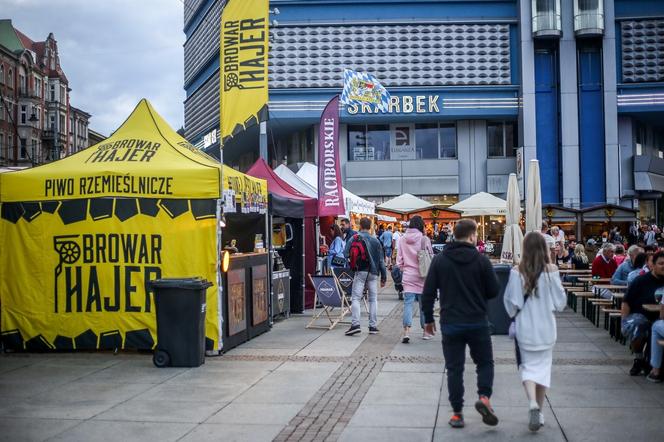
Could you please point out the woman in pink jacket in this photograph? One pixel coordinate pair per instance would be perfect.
(410, 243)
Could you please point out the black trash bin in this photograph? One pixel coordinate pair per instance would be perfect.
(180, 307)
(497, 315)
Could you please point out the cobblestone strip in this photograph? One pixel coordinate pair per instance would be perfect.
(415, 359)
(326, 415)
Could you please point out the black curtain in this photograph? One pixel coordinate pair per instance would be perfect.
(243, 227)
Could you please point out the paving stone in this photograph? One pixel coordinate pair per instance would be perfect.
(162, 411)
(111, 431)
(16, 429)
(232, 433)
(255, 414)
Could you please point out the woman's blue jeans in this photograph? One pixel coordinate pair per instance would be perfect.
(408, 299)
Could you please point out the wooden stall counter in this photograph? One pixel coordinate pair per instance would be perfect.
(246, 291)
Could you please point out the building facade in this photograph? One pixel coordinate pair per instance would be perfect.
(478, 87)
(36, 120)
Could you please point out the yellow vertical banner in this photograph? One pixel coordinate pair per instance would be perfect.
(243, 65)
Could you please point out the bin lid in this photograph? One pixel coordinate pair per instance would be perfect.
(195, 283)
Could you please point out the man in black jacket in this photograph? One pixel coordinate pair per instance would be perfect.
(465, 280)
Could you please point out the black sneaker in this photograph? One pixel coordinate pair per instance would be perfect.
(353, 330)
(636, 368)
(456, 421)
(373, 330)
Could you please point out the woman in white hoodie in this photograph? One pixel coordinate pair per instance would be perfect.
(533, 293)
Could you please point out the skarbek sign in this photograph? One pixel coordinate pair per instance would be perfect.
(406, 104)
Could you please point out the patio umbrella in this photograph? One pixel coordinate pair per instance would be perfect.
(513, 239)
(533, 199)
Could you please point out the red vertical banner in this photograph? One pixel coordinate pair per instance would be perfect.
(330, 192)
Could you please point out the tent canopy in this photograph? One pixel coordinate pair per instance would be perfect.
(481, 204)
(295, 181)
(405, 203)
(286, 201)
(309, 173)
(144, 158)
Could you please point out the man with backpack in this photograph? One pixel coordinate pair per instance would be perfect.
(364, 253)
(466, 281)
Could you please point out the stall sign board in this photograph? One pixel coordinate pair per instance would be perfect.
(259, 294)
(237, 316)
(345, 278)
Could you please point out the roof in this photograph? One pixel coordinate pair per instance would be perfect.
(307, 207)
(405, 203)
(295, 181)
(480, 204)
(145, 158)
(9, 37)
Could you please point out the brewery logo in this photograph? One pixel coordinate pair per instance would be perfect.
(244, 53)
(129, 260)
(281, 295)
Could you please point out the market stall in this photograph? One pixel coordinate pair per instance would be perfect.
(599, 219)
(82, 236)
(246, 282)
(567, 218)
(293, 221)
(436, 215)
(489, 210)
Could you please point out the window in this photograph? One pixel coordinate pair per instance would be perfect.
(10, 78)
(24, 111)
(370, 142)
(52, 92)
(426, 140)
(22, 84)
(51, 118)
(2, 112)
(38, 87)
(63, 94)
(2, 74)
(34, 148)
(2, 146)
(23, 151)
(448, 141)
(10, 147)
(501, 140)
(62, 129)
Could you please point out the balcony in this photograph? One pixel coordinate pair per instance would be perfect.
(50, 134)
(25, 93)
(588, 18)
(546, 19)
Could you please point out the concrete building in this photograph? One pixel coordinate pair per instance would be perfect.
(36, 117)
(476, 85)
(94, 137)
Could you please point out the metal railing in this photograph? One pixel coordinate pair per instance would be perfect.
(589, 23)
(547, 24)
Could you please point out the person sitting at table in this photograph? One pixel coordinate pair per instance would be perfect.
(635, 321)
(656, 350)
(620, 256)
(624, 269)
(580, 260)
(640, 262)
(604, 266)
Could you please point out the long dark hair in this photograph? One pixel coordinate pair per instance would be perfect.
(416, 222)
(336, 230)
(534, 259)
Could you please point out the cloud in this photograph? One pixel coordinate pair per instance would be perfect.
(114, 53)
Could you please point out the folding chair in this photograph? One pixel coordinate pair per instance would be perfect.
(334, 305)
(345, 278)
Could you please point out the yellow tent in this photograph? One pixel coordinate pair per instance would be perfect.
(82, 236)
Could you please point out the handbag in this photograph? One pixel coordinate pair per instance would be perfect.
(338, 261)
(423, 259)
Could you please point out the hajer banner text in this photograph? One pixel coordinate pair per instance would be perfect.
(244, 44)
(74, 273)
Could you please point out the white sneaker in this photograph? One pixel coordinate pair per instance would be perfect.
(541, 417)
(426, 336)
(534, 419)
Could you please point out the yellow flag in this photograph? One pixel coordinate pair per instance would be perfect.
(243, 65)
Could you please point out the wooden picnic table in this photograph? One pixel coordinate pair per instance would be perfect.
(574, 272)
(595, 280)
(611, 287)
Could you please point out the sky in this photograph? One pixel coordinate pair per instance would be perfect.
(114, 52)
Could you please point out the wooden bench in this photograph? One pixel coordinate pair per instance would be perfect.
(584, 296)
(595, 305)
